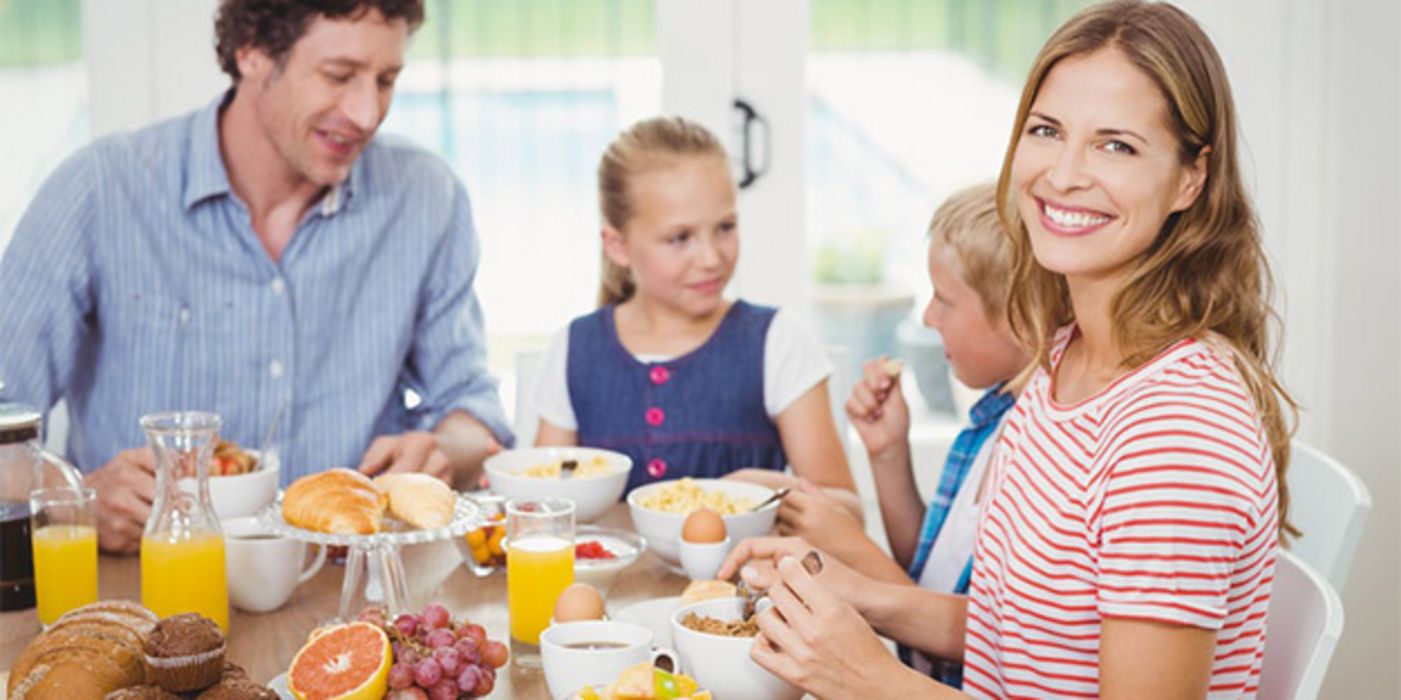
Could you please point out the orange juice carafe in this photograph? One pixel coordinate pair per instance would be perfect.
(182, 548)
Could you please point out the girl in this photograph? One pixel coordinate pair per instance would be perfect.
(667, 370)
(1127, 546)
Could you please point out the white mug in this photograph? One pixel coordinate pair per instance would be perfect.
(264, 568)
(594, 653)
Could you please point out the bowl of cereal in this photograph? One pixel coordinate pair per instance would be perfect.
(713, 641)
(595, 480)
(658, 510)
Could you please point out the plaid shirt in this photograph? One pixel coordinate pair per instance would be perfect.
(984, 418)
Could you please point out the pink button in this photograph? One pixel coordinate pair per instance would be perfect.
(655, 416)
(656, 468)
(660, 374)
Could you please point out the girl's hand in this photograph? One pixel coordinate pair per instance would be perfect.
(878, 410)
(811, 514)
(814, 640)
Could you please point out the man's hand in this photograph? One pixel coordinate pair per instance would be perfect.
(126, 487)
(416, 451)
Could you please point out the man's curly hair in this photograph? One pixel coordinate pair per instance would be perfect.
(275, 25)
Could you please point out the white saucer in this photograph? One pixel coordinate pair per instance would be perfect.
(654, 614)
(278, 685)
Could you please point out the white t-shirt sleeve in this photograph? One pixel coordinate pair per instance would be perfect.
(794, 362)
(552, 384)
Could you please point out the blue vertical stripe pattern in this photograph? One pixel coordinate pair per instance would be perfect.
(135, 283)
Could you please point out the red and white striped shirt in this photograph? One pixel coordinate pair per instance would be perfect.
(1154, 499)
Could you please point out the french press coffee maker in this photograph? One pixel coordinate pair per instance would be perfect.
(24, 466)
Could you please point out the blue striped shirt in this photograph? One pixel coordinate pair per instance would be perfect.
(135, 283)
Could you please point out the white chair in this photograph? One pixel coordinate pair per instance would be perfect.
(1305, 621)
(1329, 504)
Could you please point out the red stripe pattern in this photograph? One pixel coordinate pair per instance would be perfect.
(1154, 499)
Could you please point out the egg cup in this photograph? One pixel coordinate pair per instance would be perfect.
(701, 560)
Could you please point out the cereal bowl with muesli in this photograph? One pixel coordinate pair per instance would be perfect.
(713, 641)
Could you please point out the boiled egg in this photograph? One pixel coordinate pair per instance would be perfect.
(703, 526)
(579, 601)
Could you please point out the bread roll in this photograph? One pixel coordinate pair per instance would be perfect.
(338, 501)
(418, 499)
(86, 653)
(705, 589)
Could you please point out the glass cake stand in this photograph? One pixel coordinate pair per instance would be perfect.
(378, 552)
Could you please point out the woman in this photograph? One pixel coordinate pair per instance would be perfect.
(1127, 542)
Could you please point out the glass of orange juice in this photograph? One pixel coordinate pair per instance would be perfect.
(63, 529)
(539, 565)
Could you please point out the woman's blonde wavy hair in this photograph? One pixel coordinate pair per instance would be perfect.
(650, 144)
(1206, 273)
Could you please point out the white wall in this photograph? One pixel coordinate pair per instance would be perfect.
(1318, 87)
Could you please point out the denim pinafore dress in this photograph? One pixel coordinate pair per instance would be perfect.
(700, 415)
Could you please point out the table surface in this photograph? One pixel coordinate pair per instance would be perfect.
(265, 643)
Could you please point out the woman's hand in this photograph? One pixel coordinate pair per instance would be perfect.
(814, 640)
(756, 560)
(877, 409)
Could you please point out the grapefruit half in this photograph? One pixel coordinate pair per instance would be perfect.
(345, 662)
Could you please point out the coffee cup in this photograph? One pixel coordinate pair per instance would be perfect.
(594, 653)
(264, 568)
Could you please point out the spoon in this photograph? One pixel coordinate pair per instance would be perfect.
(780, 493)
(751, 598)
(566, 469)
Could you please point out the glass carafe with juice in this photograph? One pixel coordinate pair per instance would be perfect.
(182, 548)
(25, 466)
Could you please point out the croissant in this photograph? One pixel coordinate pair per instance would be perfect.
(338, 501)
(418, 499)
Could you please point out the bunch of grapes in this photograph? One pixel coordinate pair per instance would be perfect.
(436, 658)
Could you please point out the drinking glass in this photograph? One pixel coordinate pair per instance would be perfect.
(539, 566)
(64, 526)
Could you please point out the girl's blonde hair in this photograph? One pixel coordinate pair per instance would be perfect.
(1206, 273)
(649, 145)
(968, 224)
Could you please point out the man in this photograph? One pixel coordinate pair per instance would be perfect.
(264, 256)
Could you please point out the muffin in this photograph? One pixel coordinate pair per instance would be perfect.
(186, 653)
(234, 688)
(142, 692)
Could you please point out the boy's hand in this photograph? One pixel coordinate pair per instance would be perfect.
(877, 408)
(809, 513)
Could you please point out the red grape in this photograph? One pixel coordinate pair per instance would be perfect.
(435, 616)
(427, 672)
(407, 694)
(406, 624)
(440, 638)
(494, 653)
(401, 675)
(468, 650)
(469, 678)
(476, 633)
(450, 659)
(445, 689)
(487, 682)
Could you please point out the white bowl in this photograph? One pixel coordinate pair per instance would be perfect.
(722, 664)
(592, 495)
(663, 530)
(241, 495)
(600, 573)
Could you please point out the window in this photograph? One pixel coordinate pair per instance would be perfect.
(44, 87)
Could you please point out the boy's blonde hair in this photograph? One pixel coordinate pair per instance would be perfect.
(650, 144)
(968, 224)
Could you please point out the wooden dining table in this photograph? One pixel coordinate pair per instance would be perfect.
(265, 643)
